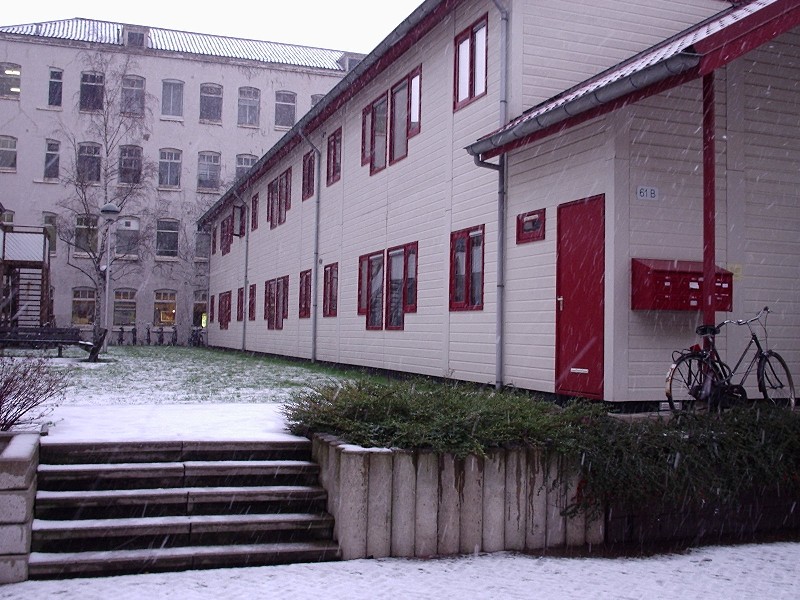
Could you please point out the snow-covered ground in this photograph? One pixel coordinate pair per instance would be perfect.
(149, 393)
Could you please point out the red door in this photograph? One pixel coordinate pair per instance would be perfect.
(580, 274)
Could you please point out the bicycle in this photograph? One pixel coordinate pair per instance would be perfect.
(699, 378)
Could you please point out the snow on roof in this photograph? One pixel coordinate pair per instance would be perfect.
(106, 32)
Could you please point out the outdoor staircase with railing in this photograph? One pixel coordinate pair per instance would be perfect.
(111, 508)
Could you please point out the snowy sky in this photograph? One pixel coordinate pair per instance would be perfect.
(355, 25)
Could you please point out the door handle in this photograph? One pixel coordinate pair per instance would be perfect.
(560, 300)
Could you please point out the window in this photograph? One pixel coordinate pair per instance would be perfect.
(83, 306)
(249, 106)
(130, 165)
(167, 238)
(88, 166)
(330, 290)
(334, 171)
(466, 269)
(374, 134)
(308, 175)
(56, 87)
(92, 91)
(401, 281)
(243, 164)
(209, 166)
(127, 237)
(199, 308)
(405, 118)
(51, 159)
(211, 309)
(124, 307)
(214, 240)
(276, 302)
(50, 221)
(226, 234)
(315, 98)
(251, 303)
(370, 289)
(304, 311)
(8, 153)
(172, 98)
(279, 198)
(470, 64)
(135, 39)
(285, 103)
(7, 217)
(164, 308)
(132, 96)
(169, 168)
(10, 76)
(202, 245)
(86, 233)
(211, 102)
(254, 212)
(240, 304)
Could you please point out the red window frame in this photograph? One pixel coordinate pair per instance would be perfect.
(470, 37)
(366, 134)
(251, 303)
(370, 299)
(304, 304)
(214, 240)
(240, 304)
(408, 284)
(401, 113)
(211, 310)
(226, 234)
(334, 157)
(463, 296)
(330, 294)
(531, 226)
(377, 117)
(276, 301)
(279, 198)
(308, 175)
(225, 299)
(254, 212)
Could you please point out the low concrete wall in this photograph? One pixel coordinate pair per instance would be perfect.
(19, 458)
(403, 504)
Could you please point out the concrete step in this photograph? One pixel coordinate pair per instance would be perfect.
(56, 452)
(175, 474)
(153, 532)
(75, 564)
(176, 501)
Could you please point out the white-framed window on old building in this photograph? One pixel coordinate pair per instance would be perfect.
(10, 79)
(8, 153)
(172, 98)
(285, 108)
(52, 159)
(249, 106)
(164, 308)
(83, 304)
(124, 307)
(86, 234)
(167, 238)
(132, 96)
(169, 168)
(127, 238)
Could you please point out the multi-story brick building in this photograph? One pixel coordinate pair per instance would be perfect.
(155, 122)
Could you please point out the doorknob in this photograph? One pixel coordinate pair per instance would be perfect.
(560, 300)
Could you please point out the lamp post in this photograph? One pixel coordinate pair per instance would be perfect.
(110, 211)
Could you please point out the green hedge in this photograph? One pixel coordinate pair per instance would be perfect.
(689, 460)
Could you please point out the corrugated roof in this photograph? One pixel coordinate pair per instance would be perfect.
(168, 40)
(600, 89)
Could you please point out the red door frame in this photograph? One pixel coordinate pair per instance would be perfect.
(580, 304)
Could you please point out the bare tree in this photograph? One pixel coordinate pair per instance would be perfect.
(28, 388)
(108, 166)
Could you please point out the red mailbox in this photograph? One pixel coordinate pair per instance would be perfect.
(658, 284)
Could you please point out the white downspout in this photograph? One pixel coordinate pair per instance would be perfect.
(315, 266)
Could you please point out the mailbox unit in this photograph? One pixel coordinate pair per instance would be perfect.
(658, 284)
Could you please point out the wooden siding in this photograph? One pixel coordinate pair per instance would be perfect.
(562, 46)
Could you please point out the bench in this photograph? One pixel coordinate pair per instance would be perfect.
(41, 338)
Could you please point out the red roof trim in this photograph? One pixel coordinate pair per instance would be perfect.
(748, 34)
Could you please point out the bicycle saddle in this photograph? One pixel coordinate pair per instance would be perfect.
(706, 330)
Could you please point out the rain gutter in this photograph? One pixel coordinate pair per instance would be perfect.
(672, 66)
(315, 266)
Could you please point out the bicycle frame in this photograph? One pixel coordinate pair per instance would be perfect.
(735, 370)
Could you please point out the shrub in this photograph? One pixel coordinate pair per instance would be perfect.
(28, 387)
(691, 460)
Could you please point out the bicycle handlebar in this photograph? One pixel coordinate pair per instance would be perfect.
(705, 330)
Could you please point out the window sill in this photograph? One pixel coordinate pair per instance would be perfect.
(200, 259)
(51, 108)
(162, 188)
(207, 190)
(207, 122)
(131, 257)
(249, 126)
(7, 170)
(166, 259)
(77, 254)
(47, 181)
(14, 97)
(172, 118)
(283, 127)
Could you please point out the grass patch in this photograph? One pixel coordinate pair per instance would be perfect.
(694, 460)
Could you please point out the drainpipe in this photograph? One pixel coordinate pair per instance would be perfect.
(315, 266)
(240, 205)
(501, 200)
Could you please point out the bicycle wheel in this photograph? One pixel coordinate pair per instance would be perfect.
(774, 380)
(688, 386)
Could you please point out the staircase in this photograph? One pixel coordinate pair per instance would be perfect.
(112, 508)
